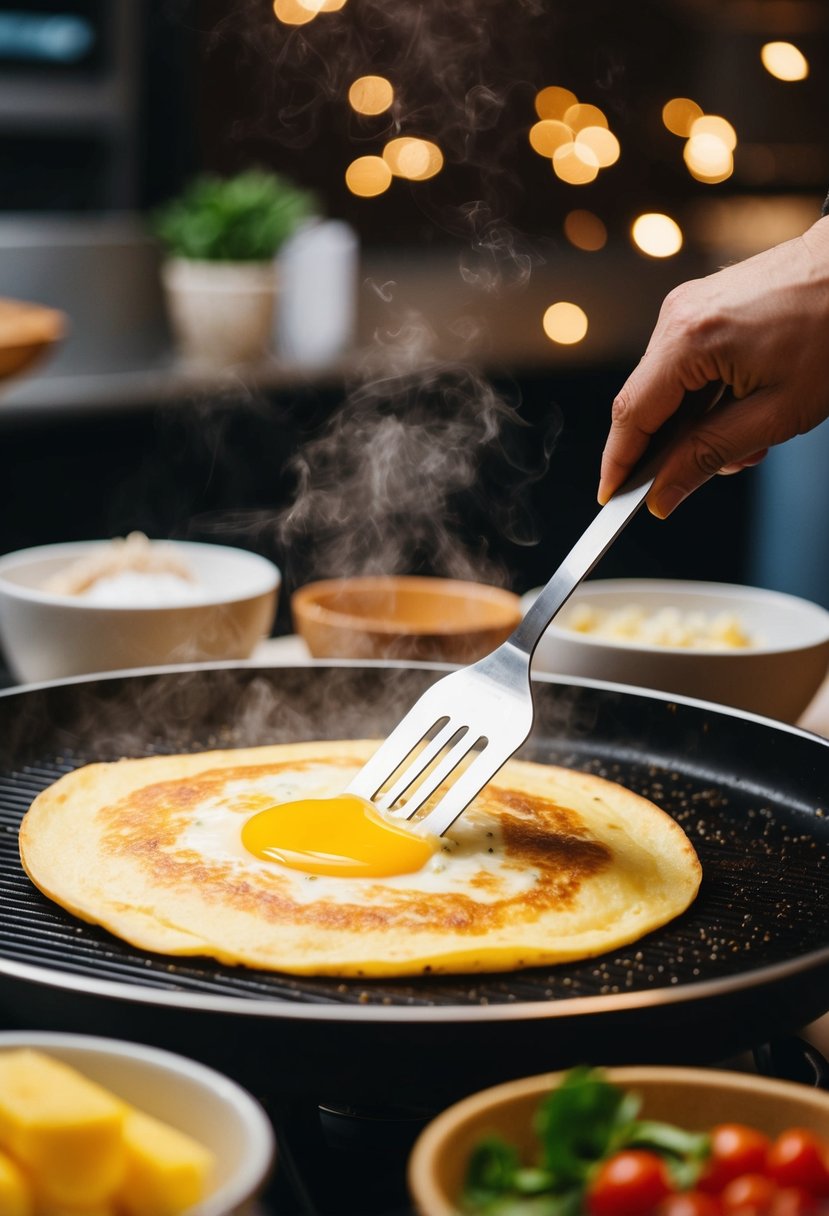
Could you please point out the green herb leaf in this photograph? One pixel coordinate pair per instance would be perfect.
(536, 1205)
(581, 1123)
(685, 1152)
(531, 1181)
(491, 1172)
(666, 1138)
(585, 1119)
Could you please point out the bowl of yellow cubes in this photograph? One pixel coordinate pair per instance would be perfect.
(755, 649)
(99, 1127)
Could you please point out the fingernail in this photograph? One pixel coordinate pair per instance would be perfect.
(668, 500)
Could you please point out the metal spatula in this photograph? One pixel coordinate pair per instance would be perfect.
(483, 713)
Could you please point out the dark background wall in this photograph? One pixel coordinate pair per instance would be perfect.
(170, 88)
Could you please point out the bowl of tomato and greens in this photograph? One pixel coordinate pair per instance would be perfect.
(650, 1141)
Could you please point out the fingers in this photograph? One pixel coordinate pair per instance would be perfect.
(726, 440)
(737, 466)
(648, 398)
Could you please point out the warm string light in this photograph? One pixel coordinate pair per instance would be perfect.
(300, 12)
(784, 61)
(573, 135)
(407, 156)
(368, 176)
(678, 115)
(565, 323)
(371, 95)
(657, 235)
(414, 159)
(710, 140)
(585, 230)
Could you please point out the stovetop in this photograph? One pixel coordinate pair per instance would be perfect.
(353, 1163)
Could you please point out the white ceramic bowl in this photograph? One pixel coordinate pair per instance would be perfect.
(776, 678)
(206, 1105)
(47, 636)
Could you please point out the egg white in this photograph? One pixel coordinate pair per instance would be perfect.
(473, 846)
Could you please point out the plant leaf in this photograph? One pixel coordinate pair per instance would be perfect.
(242, 219)
(581, 1122)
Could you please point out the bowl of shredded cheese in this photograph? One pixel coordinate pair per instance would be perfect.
(90, 606)
(758, 650)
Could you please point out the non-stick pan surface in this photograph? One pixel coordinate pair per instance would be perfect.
(750, 958)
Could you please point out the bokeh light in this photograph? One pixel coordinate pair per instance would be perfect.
(575, 164)
(679, 113)
(371, 95)
(656, 234)
(784, 61)
(412, 158)
(602, 143)
(582, 115)
(585, 230)
(565, 323)
(549, 134)
(708, 158)
(713, 124)
(368, 176)
(553, 102)
(291, 12)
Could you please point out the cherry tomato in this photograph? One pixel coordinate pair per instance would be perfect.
(750, 1195)
(735, 1149)
(799, 1158)
(793, 1201)
(630, 1183)
(695, 1203)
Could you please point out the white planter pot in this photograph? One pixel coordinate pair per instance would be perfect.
(221, 312)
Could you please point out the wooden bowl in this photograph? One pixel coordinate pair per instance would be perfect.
(403, 617)
(27, 331)
(694, 1098)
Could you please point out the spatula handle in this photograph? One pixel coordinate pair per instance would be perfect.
(613, 517)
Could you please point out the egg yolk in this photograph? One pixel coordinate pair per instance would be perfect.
(344, 836)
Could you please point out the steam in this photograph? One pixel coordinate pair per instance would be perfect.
(426, 458)
(390, 482)
(54, 729)
(498, 257)
(453, 75)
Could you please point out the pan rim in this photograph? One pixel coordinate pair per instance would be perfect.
(309, 1010)
(540, 677)
(513, 1011)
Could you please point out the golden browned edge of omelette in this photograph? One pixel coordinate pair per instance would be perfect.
(547, 865)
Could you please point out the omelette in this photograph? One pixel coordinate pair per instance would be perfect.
(254, 857)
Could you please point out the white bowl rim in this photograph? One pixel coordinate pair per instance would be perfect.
(268, 577)
(257, 1126)
(679, 587)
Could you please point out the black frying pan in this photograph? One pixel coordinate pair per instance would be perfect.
(748, 961)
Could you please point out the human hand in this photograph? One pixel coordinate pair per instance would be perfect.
(760, 327)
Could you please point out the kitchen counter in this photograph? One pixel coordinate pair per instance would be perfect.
(816, 717)
(412, 307)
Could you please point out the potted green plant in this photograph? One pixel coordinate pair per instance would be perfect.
(221, 237)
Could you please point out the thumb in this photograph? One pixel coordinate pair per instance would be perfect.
(733, 435)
